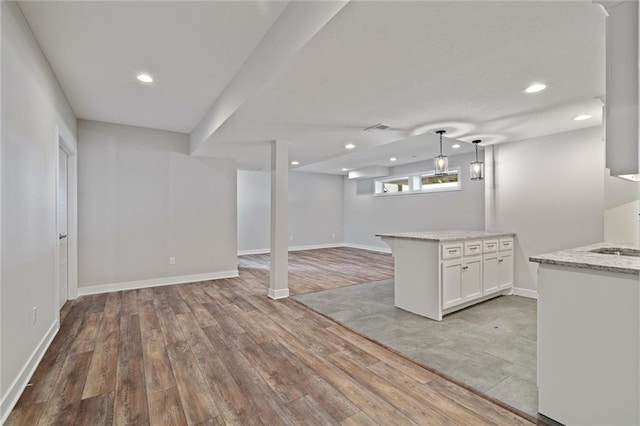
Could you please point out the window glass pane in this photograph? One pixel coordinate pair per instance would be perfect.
(397, 185)
(427, 181)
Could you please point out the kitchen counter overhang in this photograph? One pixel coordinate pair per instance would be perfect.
(585, 258)
(446, 236)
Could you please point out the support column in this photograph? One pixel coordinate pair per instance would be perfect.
(279, 285)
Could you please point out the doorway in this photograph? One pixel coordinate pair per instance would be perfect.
(63, 228)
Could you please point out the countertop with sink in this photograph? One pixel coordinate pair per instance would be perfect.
(601, 256)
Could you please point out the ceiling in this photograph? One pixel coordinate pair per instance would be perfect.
(192, 49)
(415, 66)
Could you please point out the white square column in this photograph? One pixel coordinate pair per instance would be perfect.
(279, 285)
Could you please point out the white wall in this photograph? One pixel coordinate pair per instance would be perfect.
(622, 209)
(143, 199)
(33, 106)
(254, 189)
(315, 210)
(550, 191)
(366, 215)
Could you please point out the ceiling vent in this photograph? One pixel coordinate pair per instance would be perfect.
(376, 127)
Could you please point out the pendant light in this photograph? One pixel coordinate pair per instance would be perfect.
(477, 167)
(441, 162)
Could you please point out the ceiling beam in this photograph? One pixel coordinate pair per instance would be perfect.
(296, 25)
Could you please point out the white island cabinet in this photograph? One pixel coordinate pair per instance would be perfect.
(589, 335)
(440, 272)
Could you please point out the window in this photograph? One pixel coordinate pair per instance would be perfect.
(419, 183)
(395, 185)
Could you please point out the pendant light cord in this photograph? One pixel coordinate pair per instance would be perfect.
(476, 143)
(440, 132)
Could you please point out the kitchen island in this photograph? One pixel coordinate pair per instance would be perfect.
(439, 272)
(589, 335)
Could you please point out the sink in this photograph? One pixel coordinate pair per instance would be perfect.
(617, 251)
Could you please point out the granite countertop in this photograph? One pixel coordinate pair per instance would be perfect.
(444, 236)
(581, 257)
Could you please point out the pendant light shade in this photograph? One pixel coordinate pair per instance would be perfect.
(476, 168)
(441, 162)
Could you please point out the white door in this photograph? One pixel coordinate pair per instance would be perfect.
(62, 228)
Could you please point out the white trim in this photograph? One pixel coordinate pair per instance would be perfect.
(255, 251)
(369, 248)
(10, 399)
(155, 282)
(294, 248)
(278, 294)
(525, 292)
(315, 247)
(66, 141)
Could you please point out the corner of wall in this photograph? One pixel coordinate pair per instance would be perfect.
(11, 396)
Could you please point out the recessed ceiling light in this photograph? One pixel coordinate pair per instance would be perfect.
(581, 117)
(455, 146)
(349, 146)
(295, 163)
(145, 78)
(392, 159)
(345, 169)
(535, 88)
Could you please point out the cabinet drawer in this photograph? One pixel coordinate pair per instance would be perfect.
(472, 248)
(450, 251)
(491, 245)
(506, 244)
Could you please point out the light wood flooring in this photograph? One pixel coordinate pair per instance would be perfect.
(221, 352)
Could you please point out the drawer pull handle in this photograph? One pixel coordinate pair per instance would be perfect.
(500, 260)
(453, 251)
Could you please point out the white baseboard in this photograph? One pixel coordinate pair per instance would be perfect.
(369, 248)
(294, 248)
(278, 294)
(156, 282)
(10, 398)
(525, 292)
(254, 251)
(316, 247)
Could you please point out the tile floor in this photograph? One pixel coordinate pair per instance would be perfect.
(490, 346)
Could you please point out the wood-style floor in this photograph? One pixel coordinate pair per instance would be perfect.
(221, 352)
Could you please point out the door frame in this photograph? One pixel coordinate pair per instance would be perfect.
(66, 141)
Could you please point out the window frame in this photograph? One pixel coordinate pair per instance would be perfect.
(415, 183)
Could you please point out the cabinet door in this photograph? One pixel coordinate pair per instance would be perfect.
(451, 283)
(490, 273)
(471, 278)
(505, 269)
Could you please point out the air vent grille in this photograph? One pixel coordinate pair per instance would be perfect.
(376, 127)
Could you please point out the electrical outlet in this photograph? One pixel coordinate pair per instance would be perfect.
(333, 235)
(291, 238)
(34, 318)
(172, 260)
